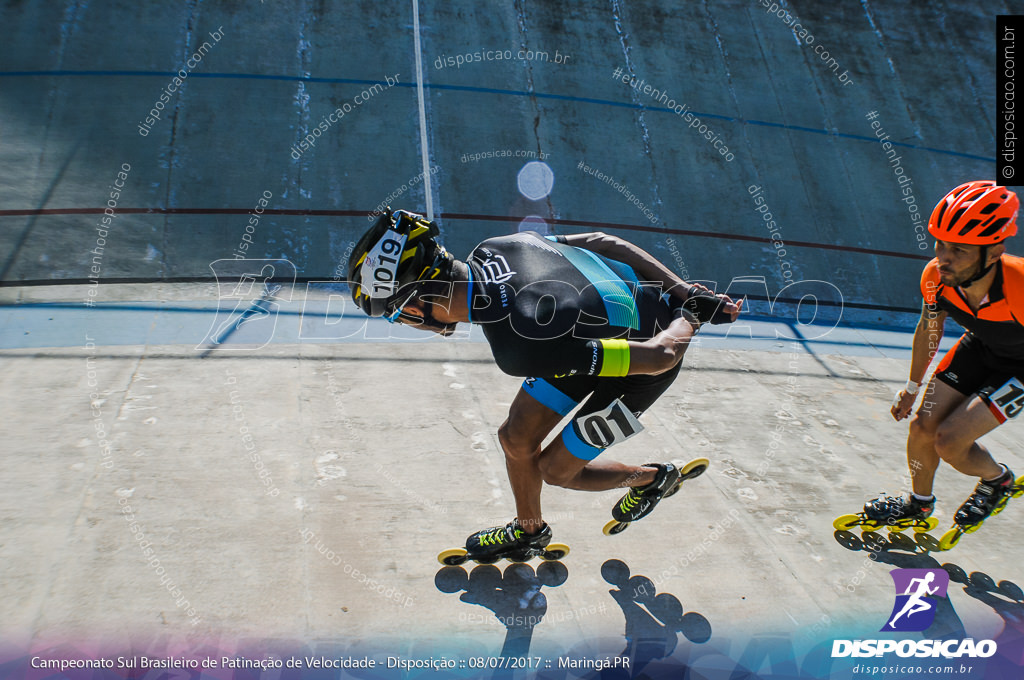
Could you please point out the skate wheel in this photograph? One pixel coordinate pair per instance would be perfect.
(695, 468)
(554, 552)
(1018, 484)
(846, 522)
(485, 560)
(870, 525)
(1018, 489)
(453, 557)
(950, 538)
(614, 527)
(897, 528)
(929, 524)
(971, 529)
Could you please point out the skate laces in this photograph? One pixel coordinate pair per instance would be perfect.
(630, 500)
(501, 535)
(637, 494)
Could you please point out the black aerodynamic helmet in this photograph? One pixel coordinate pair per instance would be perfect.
(394, 261)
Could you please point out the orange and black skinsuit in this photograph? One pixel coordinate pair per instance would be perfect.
(989, 358)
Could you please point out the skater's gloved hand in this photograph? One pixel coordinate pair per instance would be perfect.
(708, 307)
(902, 404)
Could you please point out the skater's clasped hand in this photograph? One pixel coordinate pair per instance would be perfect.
(705, 306)
(902, 404)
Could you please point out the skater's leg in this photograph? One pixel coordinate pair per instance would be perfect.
(956, 439)
(521, 436)
(939, 401)
(561, 468)
(572, 465)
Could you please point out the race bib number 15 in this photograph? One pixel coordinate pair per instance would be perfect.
(1008, 400)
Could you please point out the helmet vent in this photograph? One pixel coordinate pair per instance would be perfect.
(956, 218)
(995, 228)
(971, 224)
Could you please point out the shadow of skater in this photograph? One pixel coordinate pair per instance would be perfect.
(1007, 599)
(515, 597)
(653, 621)
(909, 551)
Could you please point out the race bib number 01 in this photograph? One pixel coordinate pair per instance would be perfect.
(612, 425)
(1008, 400)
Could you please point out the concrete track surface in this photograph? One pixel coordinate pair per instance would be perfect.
(279, 498)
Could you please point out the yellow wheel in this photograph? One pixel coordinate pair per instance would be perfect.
(929, 524)
(950, 538)
(870, 525)
(897, 528)
(555, 551)
(1019, 483)
(971, 529)
(614, 527)
(453, 557)
(846, 522)
(694, 468)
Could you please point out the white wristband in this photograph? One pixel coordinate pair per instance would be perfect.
(912, 387)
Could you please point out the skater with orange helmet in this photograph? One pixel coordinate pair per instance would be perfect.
(979, 384)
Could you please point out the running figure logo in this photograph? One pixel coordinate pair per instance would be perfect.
(915, 605)
(250, 296)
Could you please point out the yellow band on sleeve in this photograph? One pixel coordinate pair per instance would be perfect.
(614, 358)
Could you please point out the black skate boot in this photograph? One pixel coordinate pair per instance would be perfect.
(898, 512)
(510, 542)
(988, 499)
(639, 501)
(895, 513)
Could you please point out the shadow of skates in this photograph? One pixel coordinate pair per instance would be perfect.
(514, 597)
(653, 621)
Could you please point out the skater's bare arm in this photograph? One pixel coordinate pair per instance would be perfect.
(662, 352)
(926, 342)
(647, 267)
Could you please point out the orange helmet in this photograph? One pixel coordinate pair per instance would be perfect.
(980, 213)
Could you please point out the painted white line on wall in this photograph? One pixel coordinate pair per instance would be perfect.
(424, 151)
